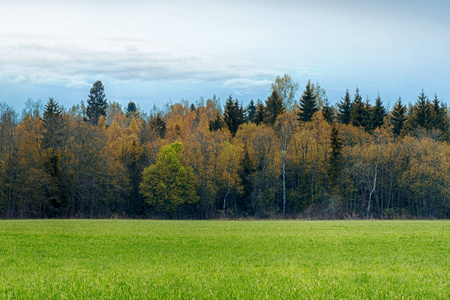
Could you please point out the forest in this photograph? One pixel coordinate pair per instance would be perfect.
(289, 156)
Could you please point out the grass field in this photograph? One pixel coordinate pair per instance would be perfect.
(127, 259)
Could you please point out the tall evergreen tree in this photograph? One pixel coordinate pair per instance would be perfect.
(422, 112)
(158, 124)
(345, 109)
(398, 117)
(97, 102)
(233, 115)
(327, 112)
(53, 123)
(378, 113)
(335, 158)
(251, 111)
(358, 113)
(274, 107)
(308, 104)
(216, 123)
(259, 113)
(131, 110)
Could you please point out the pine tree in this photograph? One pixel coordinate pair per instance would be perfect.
(358, 114)
(398, 117)
(327, 112)
(233, 115)
(131, 110)
(335, 158)
(158, 125)
(378, 113)
(246, 175)
(345, 109)
(439, 120)
(422, 113)
(368, 116)
(216, 124)
(274, 107)
(97, 102)
(53, 123)
(259, 113)
(308, 104)
(251, 111)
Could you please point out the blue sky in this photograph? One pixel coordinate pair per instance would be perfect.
(155, 51)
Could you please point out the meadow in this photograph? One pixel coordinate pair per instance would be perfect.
(143, 259)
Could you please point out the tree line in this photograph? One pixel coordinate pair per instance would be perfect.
(281, 157)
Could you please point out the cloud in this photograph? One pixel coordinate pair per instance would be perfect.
(40, 59)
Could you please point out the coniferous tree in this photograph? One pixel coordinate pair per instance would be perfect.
(335, 158)
(259, 113)
(216, 123)
(274, 107)
(131, 110)
(97, 103)
(422, 112)
(345, 109)
(246, 175)
(233, 115)
(308, 104)
(378, 113)
(398, 117)
(358, 113)
(251, 111)
(368, 116)
(158, 124)
(327, 112)
(53, 123)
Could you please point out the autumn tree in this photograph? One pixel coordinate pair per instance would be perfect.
(286, 88)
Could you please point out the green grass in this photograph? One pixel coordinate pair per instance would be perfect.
(127, 259)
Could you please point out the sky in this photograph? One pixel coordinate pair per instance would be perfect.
(153, 52)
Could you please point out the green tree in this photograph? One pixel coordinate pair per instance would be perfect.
(335, 158)
(251, 111)
(216, 123)
(96, 103)
(345, 109)
(422, 112)
(308, 104)
(274, 107)
(378, 113)
(233, 115)
(259, 113)
(327, 112)
(398, 117)
(168, 183)
(358, 114)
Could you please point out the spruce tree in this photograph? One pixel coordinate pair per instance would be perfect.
(96, 103)
(378, 113)
(158, 125)
(251, 111)
(233, 115)
(398, 117)
(345, 109)
(358, 112)
(308, 104)
(259, 113)
(53, 123)
(274, 107)
(327, 112)
(216, 123)
(422, 112)
(335, 158)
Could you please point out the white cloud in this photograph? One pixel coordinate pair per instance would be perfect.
(53, 60)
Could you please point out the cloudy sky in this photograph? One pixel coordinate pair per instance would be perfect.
(155, 51)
